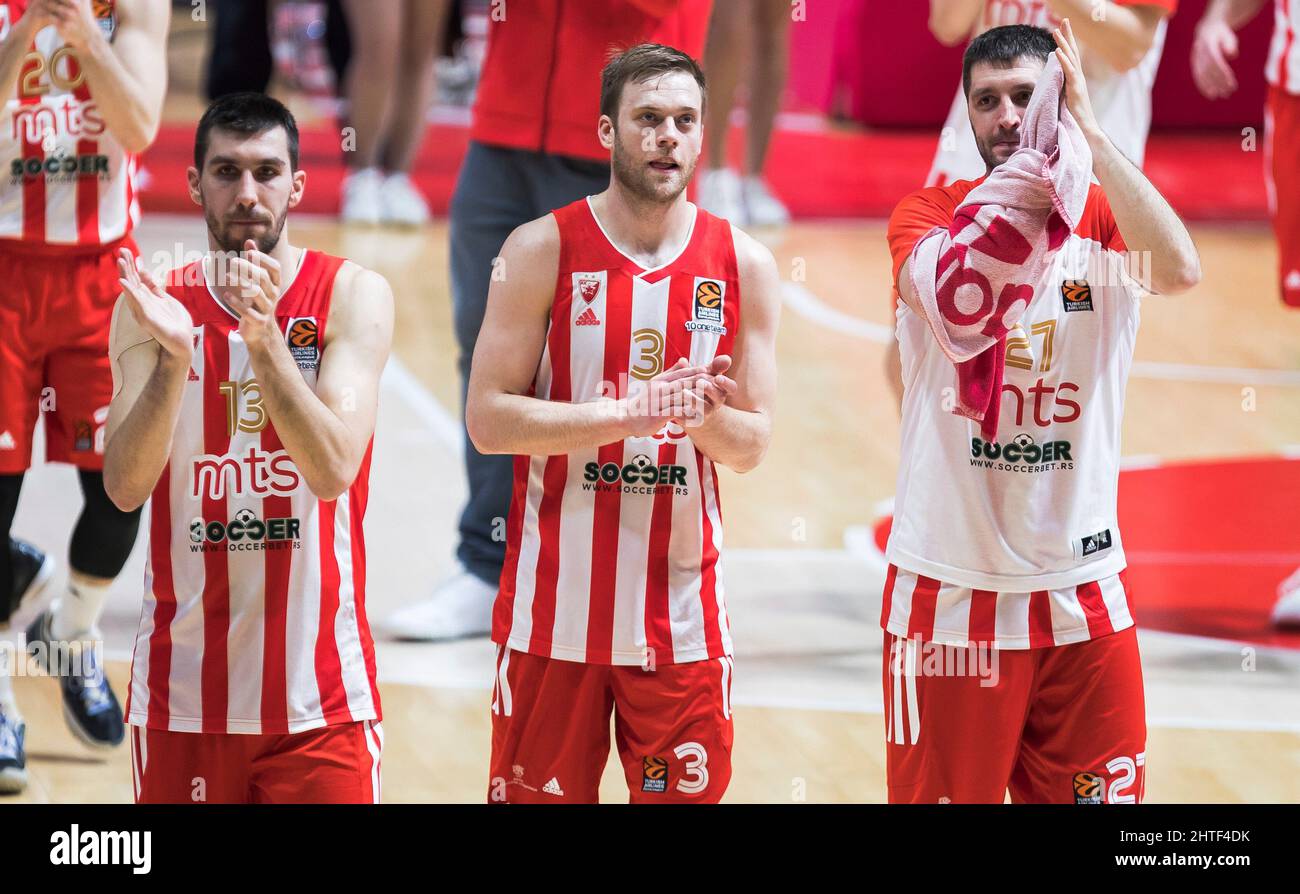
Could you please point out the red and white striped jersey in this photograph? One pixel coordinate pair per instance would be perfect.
(254, 618)
(69, 182)
(1283, 66)
(918, 607)
(612, 553)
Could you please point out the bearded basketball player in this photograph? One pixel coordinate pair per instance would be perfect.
(627, 351)
(1006, 553)
(244, 405)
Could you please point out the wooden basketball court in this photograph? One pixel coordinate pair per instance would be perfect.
(1217, 375)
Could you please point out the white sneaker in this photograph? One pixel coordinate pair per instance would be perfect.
(362, 196)
(763, 209)
(402, 203)
(720, 195)
(1286, 613)
(460, 606)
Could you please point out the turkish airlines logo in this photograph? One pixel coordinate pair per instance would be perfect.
(255, 474)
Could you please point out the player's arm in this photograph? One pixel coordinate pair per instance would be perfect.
(1120, 34)
(952, 21)
(16, 46)
(500, 415)
(128, 77)
(739, 429)
(1145, 220)
(1216, 44)
(151, 347)
(325, 431)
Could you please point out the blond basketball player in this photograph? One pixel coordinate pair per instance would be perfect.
(628, 348)
(244, 405)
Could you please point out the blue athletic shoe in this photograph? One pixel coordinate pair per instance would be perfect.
(32, 572)
(13, 762)
(89, 705)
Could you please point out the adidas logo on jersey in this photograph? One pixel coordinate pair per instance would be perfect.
(587, 318)
(7, 441)
(553, 787)
(1292, 280)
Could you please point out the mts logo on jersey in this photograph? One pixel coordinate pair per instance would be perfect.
(255, 474)
(245, 531)
(706, 309)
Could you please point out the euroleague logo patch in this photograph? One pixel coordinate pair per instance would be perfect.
(654, 774)
(1087, 788)
(1076, 294)
(303, 337)
(106, 17)
(707, 310)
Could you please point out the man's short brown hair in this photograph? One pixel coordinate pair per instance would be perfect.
(640, 63)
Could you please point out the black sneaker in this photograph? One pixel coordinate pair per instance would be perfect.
(13, 762)
(32, 572)
(89, 705)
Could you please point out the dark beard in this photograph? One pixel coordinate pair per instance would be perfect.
(228, 243)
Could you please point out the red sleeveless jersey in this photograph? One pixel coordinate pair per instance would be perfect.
(70, 182)
(254, 617)
(613, 552)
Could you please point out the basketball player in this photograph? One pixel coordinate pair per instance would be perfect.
(532, 149)
(245, 406)
(1121, 42)
(1009, 551)
(84, 85)
(612, 593)
(1216, 44)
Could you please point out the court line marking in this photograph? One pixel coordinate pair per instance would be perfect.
(803, 302)
(444, 426)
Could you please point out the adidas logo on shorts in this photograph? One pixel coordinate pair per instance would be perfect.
(553, 787)
(7, 441)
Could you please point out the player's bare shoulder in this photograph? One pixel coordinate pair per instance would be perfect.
(361, 306)
(755, 264)
(536, 243)
(524, 272)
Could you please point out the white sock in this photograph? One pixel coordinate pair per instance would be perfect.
(76, 614)
(8, 706)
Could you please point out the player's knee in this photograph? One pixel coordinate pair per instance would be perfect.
(104, 535)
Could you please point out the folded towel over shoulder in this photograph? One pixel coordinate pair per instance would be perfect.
(975, 280)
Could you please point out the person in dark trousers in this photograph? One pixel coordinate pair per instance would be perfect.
(532, 149)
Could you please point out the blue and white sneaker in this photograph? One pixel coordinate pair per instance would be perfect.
(89, 705)
(13, 761)
(32, 572)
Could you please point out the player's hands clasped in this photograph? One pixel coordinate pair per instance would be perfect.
(250, 285)
(684, 394)
(1076, 88)
(161, 315)
(74, 19)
